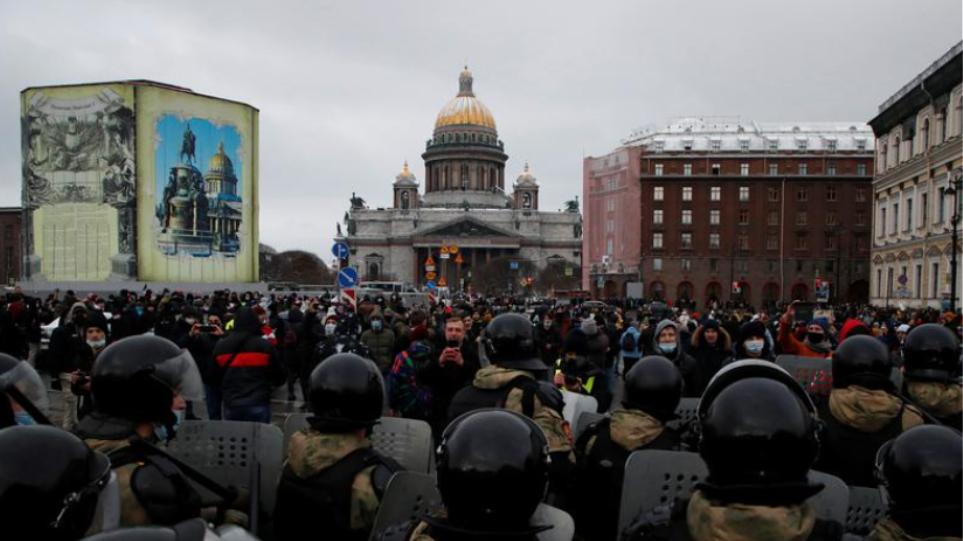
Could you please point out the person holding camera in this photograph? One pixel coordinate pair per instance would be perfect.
(95, 338)
(449, 370)
(200, 340)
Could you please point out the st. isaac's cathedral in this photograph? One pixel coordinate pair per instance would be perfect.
(465, 208)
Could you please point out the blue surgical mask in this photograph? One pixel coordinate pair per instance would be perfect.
(377, 324)
(754, 346)
(139, 310)
(667, 348)
(161, 430)
(23, 418)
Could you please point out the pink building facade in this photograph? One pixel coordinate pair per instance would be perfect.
(611, 239)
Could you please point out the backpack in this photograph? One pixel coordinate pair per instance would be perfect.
(628, 342)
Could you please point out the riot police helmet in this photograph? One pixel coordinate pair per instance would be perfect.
(136, 378)
(50, 483)
(758, 431)
(864, 361)
(346, 393)
(922, 469)
(509, 342)
(932, 353)
(492, 470)
(653, 385)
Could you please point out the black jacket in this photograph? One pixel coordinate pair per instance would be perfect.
(249, 378)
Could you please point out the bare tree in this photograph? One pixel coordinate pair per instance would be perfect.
(295, 266)
(497, 277)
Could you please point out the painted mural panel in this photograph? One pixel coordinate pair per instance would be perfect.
(79, 182)
(199, 178)
(197, 199)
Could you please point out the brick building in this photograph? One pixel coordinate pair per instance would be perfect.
(11, 219)
(734, 210)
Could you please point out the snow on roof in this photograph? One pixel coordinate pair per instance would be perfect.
(733, 133)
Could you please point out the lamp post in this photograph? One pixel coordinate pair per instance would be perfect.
(954, 189)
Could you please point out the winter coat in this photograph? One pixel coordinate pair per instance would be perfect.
(708, 358)
(381, 345)
(255, 370)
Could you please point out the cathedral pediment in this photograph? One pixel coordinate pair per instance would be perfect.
(465, 227)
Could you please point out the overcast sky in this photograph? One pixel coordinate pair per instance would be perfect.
(347, 91)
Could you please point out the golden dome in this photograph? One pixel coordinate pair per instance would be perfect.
(220, 163)
(465, 108)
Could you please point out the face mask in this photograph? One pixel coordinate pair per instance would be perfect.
(667, 348)
(815, 337)
(23, 418)
(139, 310)
(754, 347)
(97, 344)
(376, 325)
(190, 320)
(329, 329)
(161, 430)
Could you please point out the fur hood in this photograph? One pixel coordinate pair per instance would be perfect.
(724, 342)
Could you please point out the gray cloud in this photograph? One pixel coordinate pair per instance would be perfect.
(348, 91)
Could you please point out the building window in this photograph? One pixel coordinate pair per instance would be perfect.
(658, 193)
(909, 214)
(657, 263)
(610, 226)
(687, 217)
(610, 246)
(924, 210)
(860, 219)
(831, 243)
(716, 145)
(686, 265)
(831, 169)
(895, 218)
(610, 205)
(800, 266)
(687, 145)
(941, 215)
(686, 241)
(713, 264)
(882, 222)
(831, 193)
(743, 241)
(773, 145)
(861, 193)
(802, 144)
(925, 135)
(742, 266)
(687, 193)
(659, 147)
(831, 219)
(657, 216)
(772, 242)
(715, 193)
(804, 169)
(714, 217)
(773, 217)
(918, 281)
(802, 242)
(743, 217)
(773, 169)
(802, 218)
(714, 241)
(687, 169)
(831, 146)
(716, 169)
(743, 193)
(744, 145)
(744, 169)
(773, 194)
(862, 244)
(861, 145)
(935, 280)
(657, 241)
(659, 169)
(802, 194)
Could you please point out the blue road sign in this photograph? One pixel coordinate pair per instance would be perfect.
(348, 277)
(513, 265)
(431, 285)
(340, 250)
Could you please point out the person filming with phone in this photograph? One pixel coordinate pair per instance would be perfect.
(452, 368)
(817, 342)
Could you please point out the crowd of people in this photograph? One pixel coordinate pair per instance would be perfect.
(491, 377)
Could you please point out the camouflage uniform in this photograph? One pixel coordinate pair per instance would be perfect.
(888, 530)
(132, 512)
(631, 430)
(942, 400)
(712, 521)
(312, 452)
(870, 411)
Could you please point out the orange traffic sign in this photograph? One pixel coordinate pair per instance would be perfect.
(430, 260)
(431, 275)
(444, 249)
(453, 249)
(442, 282)
(459, 259)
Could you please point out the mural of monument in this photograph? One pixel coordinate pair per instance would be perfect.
(199, 209)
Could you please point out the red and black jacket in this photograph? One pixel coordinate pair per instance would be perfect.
(248, 364)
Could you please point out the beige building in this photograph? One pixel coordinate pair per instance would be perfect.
(919, 152)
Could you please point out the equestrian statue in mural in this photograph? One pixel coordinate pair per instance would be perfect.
(187, 146)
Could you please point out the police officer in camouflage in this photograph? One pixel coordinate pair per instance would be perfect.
(333, 480)
(139, 387)
(758, 439)
(931, 372)
(493, 471)
(921, 473)
(653, 389)
(863, 411)
(517, 381)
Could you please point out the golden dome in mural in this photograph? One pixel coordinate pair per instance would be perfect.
(465, 108)
(220, 163)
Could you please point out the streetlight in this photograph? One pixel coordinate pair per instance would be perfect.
(954, 189)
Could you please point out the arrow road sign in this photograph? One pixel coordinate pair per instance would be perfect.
(340, 250)
(348, 277)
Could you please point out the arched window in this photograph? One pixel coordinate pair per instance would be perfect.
(658, 291)
(684, 291)
(944, 122)
(883, 150)
(925, 135)
(713, 292)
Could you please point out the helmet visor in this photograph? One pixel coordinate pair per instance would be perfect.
(181, 374)
(26, 380)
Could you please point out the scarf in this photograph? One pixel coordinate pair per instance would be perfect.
(712, 521)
